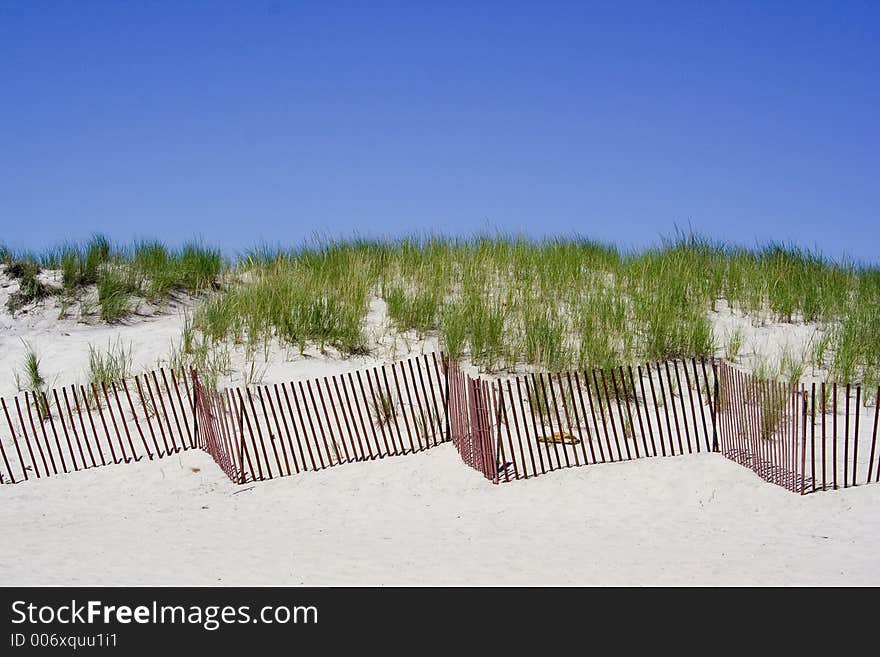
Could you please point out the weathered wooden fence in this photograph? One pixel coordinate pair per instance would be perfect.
(507, 429)
(804, 439)
(470, 424)
(80, 427)
(269, 431)
(543, 422)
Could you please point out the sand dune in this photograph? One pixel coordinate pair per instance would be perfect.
(420, 519)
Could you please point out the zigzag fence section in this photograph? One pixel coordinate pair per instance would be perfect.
(214, 435)
(81, 427)
(470, 426)
(803, 439)
(269, 431)
(253, 433)
(545, 422)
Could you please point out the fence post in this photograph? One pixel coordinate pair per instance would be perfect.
(195, 406)
(715, 389)
(446, 397)
(803, 398)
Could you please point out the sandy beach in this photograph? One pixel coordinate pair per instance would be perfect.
(427, 520)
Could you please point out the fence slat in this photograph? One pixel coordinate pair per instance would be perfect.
(171, 399)
(690, 390)
(15, 443)
(596, 395)
(712, 399)
(584, 421)
(647, 412)
(335, 452)
(525, 430)
(803, 440)
(546, 398)
(874, 437)
(432, 398)
(657, 408)
(299, 432)
(834, 436)
(359, 402)
(846, 440)
(632, 385)
(538, 448)
(126, 459)
(855, 460)
(824, 452)
(377, 413)
(67, 433)
(260, 436)
(577, 381)
(171, 404)
(352, 428)
(82, 426)
(409, 433)
(311, 436)
(247, 420)
(33, 402)
(700, 403)
(337, 424)
(568, 415)
(364, 397)
(277, 429)
(45, 405)
(161, 405)
(623, 431)
(680, 404)
(153, 410)
(393, 411)
(10, 475)
(271, 437)
(34, 467)
(813, 436)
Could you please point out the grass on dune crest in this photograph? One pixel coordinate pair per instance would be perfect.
(499, 300)
(30, 288)
(312, 297)
(570, 302)
(120, 274)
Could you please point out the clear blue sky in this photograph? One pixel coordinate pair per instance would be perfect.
(267, 121)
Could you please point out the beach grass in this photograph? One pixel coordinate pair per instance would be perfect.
(501, 301)
(119, 274)
(31, 378)
(110, 365)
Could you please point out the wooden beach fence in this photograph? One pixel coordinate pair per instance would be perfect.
(470, 425)
(276, 430)
(543, 422)
(805, 439)
(78, 427)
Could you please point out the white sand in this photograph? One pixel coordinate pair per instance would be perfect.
(426, 519)
(421, 519)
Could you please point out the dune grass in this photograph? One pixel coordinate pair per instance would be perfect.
(30, 289)
(556, 304)
(316, 296)
(501, 301)
(31, 378)
(109, 366)
(120, 274)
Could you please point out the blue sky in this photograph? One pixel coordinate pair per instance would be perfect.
(271, 121)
